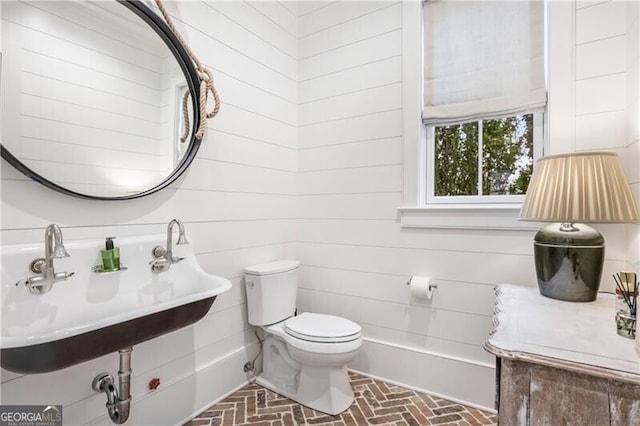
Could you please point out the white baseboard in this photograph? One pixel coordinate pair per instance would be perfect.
(448, 377)
(431, 353)
(428, 392)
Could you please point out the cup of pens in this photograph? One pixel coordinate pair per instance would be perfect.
(626, 303)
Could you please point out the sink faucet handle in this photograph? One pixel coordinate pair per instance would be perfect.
(159, 252)
(40, 284)
(38, 266)
(159, 265)
(60, 276)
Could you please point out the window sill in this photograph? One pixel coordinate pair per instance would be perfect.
(465, 216)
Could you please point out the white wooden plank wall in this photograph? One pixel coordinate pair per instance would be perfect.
(633, 124)
(607, 75)
(356, 258)
(600, 71)
(238, 203)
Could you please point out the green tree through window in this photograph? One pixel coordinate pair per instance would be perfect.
(505, 146)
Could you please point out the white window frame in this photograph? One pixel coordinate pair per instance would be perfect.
(427, 167)
(559, 119)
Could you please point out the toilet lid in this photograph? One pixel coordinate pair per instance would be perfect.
(322, 328)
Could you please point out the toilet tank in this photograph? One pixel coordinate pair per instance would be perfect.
(271, 291)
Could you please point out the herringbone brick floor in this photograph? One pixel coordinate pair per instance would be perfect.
(376, 403)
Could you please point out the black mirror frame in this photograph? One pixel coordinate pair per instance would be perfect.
(193, 82)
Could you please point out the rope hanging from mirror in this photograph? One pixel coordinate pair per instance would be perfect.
(206, 84)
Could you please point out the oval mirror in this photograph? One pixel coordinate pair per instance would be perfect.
(91, 97)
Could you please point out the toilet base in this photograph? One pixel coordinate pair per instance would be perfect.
(325, 389)
(320, 382)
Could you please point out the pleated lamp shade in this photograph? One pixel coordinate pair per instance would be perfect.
(586, 187)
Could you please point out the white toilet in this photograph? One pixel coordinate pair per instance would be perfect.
(305, 357)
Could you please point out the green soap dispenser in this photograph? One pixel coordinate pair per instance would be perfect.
(110, 256)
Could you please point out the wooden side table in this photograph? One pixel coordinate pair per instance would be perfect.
(562, 363)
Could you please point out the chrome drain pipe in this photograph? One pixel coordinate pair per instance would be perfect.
(118, 399)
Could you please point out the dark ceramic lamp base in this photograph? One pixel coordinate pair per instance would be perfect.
(569, 260)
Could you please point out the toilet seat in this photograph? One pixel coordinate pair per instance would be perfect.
(321, 328)
(349, 343)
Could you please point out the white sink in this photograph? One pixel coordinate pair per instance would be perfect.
(92, 314)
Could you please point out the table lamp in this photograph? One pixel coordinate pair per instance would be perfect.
(566, 189)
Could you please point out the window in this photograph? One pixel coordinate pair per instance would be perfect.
(474, 114)
(483, 68)
(482, 160)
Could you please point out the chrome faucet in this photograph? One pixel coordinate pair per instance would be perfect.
(164, 256)
(43, 266)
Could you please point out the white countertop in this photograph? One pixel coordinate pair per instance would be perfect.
(537, 329)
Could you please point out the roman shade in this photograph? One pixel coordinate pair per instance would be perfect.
(482, 59)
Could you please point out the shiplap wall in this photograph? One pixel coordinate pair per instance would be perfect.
(238, 203)
(633, 124)
(356, 258)
(600, 74)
